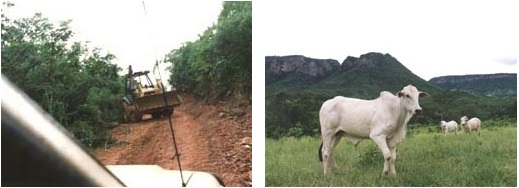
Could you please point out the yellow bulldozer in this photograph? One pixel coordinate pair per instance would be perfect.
(142, 96)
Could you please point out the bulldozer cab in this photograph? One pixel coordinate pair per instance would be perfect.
(144, 97)
(140, 84)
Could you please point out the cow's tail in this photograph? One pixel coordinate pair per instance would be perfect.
(320, 152)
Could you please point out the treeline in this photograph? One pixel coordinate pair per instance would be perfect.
(78, 86)
(218, 64)
(296, 114)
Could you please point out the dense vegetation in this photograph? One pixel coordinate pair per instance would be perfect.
(425, 159)
(293, 103)
(218, 64)
(297, 113)
(78, 86)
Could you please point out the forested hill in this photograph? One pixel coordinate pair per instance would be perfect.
(362, 77)
(501, 84)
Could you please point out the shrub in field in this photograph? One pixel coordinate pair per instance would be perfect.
(370, 154)
(296, 131)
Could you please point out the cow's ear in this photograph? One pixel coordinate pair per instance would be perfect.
(400, 94)
(423, 94)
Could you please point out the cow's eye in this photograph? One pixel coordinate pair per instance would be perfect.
(407, 96)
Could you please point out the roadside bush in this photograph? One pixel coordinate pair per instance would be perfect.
(218, 64)
(77, 86)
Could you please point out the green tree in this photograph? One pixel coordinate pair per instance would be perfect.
(292, 114)
(77, 86)
(218, 63)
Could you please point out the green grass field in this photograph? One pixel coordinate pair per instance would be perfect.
(423, 159)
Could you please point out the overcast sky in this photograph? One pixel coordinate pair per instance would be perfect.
(123, 29)
(431, 38)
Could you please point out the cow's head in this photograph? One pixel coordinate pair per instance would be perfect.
(463, 120)
(409, 97)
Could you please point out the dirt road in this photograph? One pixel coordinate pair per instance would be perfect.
(210, 138)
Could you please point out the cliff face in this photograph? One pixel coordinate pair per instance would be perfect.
(278, 67)
(501, 84)
(362, 77)
(368, 60)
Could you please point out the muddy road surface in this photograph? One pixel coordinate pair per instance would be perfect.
(210, 138)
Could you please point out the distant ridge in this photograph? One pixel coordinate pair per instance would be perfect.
(499, 85)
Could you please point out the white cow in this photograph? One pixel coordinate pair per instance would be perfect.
(450, 126)
(384, 120)
(470, 125)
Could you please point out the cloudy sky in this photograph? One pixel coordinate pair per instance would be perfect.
(123, 29)
(431, 38)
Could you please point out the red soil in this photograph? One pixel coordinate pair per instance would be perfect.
(209, 138)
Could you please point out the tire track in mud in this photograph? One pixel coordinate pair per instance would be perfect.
(206, 142)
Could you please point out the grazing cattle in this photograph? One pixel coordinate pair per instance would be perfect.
(471, 125)
(450, 126)
(384, 120)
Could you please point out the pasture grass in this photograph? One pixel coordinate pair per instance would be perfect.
(423, 159)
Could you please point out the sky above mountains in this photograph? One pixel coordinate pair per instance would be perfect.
(431, 38)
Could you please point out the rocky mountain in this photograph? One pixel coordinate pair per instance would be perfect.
(296, 67)
(501, 84)
(363, 76)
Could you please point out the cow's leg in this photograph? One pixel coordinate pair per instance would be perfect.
(336, 139)
(393, 161)
(386, 166)
(327, 150)
(381, 142)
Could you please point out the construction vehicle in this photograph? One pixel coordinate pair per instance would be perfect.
(144, 97)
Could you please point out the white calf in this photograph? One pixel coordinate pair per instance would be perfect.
(470, 125)
(450, 126)
(384, 120)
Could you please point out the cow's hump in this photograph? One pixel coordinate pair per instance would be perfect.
(386, 95)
